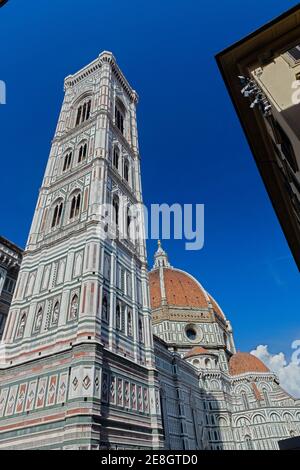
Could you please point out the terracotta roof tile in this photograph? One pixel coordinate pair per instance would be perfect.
(154, 284)
(196, 351)
(242, 362)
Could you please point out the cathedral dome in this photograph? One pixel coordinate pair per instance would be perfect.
(241, 363)
(176, 288)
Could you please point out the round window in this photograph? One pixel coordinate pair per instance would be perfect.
(191, 333)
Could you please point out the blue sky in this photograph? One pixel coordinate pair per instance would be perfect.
(192, 146)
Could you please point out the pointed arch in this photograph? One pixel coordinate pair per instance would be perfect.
(74, 307)
(38, 319)
(82, 151)
(55, 313)
(75, 205)
(21, 325)
(67, 160)
(57, 213)
(83, 107)
(120, 113)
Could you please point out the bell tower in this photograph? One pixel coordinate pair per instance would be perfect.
(77, 347)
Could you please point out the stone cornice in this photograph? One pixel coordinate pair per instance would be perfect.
(108, 58)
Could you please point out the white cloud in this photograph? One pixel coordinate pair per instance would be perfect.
(287, 372)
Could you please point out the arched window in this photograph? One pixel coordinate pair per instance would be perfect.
(83, 112)
(75, 206)
(38, 321)
(22, 325)
(82, 153)
(208, 363)
(57, 213)
(126, 170)
(74, 307)
(116, 210)
(249, 444)
(55, 314)
(105, 309)
(119, 115)
(116, 157)
(67, 161)
(118, 317)
(141, 331)
(129, 323)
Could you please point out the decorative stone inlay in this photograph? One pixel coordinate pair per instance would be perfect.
(86, 382)
(75, 383)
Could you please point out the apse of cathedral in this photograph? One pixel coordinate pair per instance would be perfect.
(97, 352)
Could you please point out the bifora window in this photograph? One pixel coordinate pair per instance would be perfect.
(119, 115)
(75, 206)
(83, 112)
(67, 161)
(57, 214)
(82, 152)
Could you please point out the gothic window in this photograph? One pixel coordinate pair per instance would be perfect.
(116, 157)
(21, 326)
(141, 331)
(57, 213)
(105, 309)
(67, 161)
(82, 153)
(75, 206)
(129, 323)
(126, 170)
(119, 115)
(83, 112)
(118, 317)
(74, 307)
(116, 210)
(55, 314)
(249, 444)
(38, 321)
